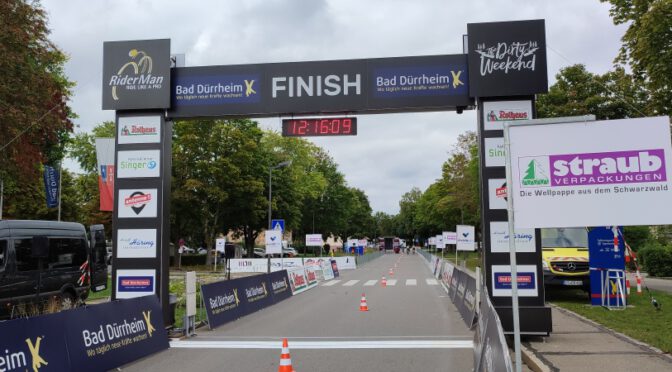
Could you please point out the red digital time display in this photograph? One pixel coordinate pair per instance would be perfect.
(311, 127)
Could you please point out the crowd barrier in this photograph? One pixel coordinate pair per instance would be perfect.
(490, 348)
(260, 265)
(361, 260)
(92, 338)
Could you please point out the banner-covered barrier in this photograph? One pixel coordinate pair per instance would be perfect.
(490, 350)
(92, 338)
(228, 300)
(260, 265)
(459, 283)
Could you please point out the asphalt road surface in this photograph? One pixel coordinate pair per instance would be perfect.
(411, 325)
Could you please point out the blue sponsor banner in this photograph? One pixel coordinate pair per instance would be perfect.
(334, 268)
(51, 181)
(604, 256)
(216, 89)
(94, 338)
(416, 81)
(135, 284)
(228, 300)
(35, 343)
(526, 280)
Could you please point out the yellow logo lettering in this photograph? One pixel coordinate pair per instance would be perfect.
(35, 353)
(235, 294)
(614, 287)
(249, 88)
(148, 321)
(456, 79)
(144, 65)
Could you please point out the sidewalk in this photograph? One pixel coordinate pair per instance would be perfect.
(579, 344)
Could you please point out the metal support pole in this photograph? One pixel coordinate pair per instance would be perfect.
(512, 252)
(60, 189)
(2, 195)
(270, 186)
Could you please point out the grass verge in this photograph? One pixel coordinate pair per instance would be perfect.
(102, 294)
(640, 320)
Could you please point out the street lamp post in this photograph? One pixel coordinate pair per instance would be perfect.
(270, 195)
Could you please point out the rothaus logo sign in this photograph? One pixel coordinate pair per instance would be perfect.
(638, 166)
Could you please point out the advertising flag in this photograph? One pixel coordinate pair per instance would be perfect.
(51, 178)
(105, 157)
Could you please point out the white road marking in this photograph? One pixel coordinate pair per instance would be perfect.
(411, 282)
(392, 282)
(350, 283)
(330, 283)
(370, 283)
(432, 282)
(312, 345)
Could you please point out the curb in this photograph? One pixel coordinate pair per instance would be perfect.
(531, 360)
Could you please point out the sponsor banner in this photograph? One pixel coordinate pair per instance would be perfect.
(466, 238)
(109, 335)
(222, 301)
(466, 301)
(249, 265)
(499, 238)
(255, 293)
(311, 276)
(278, 264)
(498, 112)
(314, 240)
(136, 74)
(138, 164)
(604, 255)
(334, 267)
(327, 270)
(440, 244)
(28, 344)
(497, 193)
(133, 283)
(491, 352)
(437, 267)
(454, 283)
(432, 241)
(447, 273)
(591, 167)
(527, 281)
(137, 203)
(136, 243)
(507, 58)
(362, 243)
(139, 129)
(297, 280)
(273, 241)
(495, 153)
(279, 286)
(345, 262)
(363, 85)
(220, 244)
(450, 237)
(51, 184)
(105, 160)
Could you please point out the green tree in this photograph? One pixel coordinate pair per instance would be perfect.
(646, 47)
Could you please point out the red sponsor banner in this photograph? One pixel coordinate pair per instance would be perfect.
(106, 169)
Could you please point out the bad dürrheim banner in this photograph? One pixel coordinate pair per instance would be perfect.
(601, 173)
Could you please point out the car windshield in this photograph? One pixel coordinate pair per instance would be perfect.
(564, 238)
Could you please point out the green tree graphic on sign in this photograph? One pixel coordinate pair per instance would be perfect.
(529, 174)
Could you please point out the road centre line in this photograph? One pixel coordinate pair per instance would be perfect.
(312, 345)
(330, 283)
(350, 283)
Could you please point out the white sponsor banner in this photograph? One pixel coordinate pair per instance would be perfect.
(495, 152)
(439, 242)
(450, 237)
(432, 241)
(138, 164)
(499, 238)
(600, 173)
(362, 242)
(447, 273)
(136, 243)
(297, 280)
(135, 283)
(527, 280)
(273, 241)
(311, 275)
(465, 238)
(496, 113)
(343, 262)
(314, 240)
(139, 129)
(278, 264)
(137, 203)
(249, 265)
(220, 244)
(327, 270)
(497, 192)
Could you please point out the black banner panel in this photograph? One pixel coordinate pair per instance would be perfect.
(361, 85)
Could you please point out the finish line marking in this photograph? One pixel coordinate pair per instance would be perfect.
(313, 345)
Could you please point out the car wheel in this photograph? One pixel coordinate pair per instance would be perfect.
(67, 300)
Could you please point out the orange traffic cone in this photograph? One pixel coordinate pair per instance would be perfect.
(391, 272)
(362, 305)
(285, 358)
(383, 282)
(627, 286)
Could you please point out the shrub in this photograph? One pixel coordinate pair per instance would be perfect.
(657, 260)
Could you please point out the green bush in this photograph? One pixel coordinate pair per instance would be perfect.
(657, 259)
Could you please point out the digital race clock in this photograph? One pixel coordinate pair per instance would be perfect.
(310, 127)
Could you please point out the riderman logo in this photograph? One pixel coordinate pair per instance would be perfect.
(135, 75)
(17, 360)
(637, 166)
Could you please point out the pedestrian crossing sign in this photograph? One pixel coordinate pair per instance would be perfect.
(278, 225)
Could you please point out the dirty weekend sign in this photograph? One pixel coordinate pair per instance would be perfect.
(610, 172)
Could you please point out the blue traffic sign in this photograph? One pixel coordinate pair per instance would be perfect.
(278, 225)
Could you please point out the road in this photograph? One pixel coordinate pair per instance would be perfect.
(410, 325)
(663, 285)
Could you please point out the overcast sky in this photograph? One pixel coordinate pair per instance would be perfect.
(392, 152)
